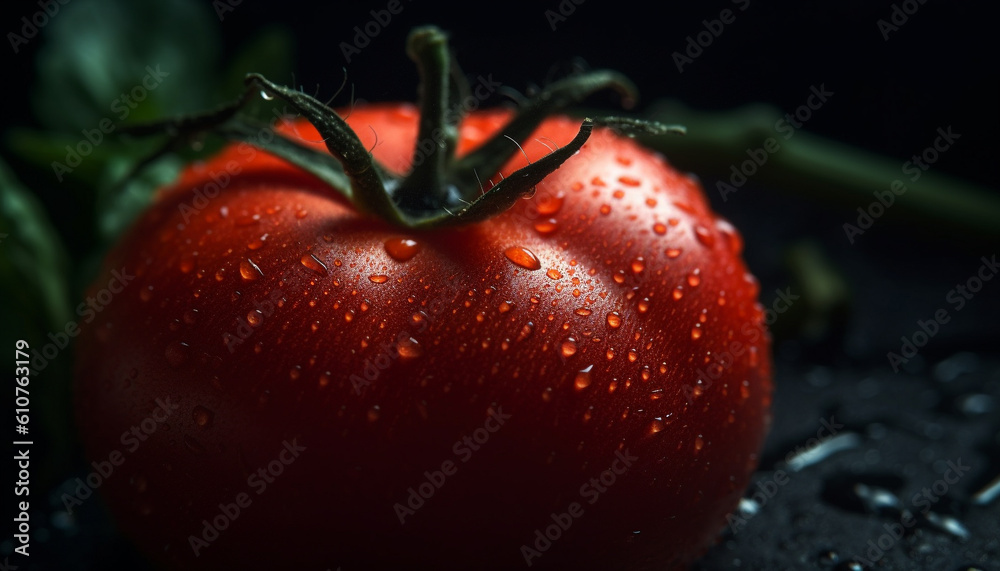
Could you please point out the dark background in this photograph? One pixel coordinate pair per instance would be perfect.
(890, 97)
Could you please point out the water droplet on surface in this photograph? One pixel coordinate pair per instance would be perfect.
(644, 305)
(582, 379)
(605, 209)
(659, 228)
(186, 266)
(301, 213)
(373, 413)
(255, 318)
(523, 257)
(220, 275)
(550, 204)
(202, 416)
(378, 278)
(547, 226)
(582, 311)
(568, 347)
(638, 265)
(295, 372)
(528, 328)
(505, 306)
(401, 249)
(176, 354)
(629, 181)
(694, 278)
(698, 443)
(656, 425)
(312, 262)
(673, 252)
(696, 332)
(632, 355)
(553, 274)
(678, 292)
(250, 270)
(409, 348)
(704, 235)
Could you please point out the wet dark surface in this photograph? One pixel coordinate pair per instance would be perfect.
(883, 500)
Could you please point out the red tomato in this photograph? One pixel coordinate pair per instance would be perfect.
(582, 380)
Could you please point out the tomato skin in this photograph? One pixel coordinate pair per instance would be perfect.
(276, 319)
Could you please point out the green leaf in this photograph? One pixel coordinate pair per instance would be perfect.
(101, 57)
(33, 264)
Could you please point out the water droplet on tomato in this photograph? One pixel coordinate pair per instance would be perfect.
(186, 266)
(696, 332)
(550, 204)
(694, 278)
(247, 220)
(704, 235)
(401, 249)
(547, 226)
(202, 416)
(582, 379)
(614, 320)
(526, 331)
(523, 257)
(373, 413)
(176, 354)
(553, 274)
(568, 347)
(409, 348)
(629, 181)
(673, 252)
(678, 292)
(638, 265)
(656, 425)
(547, 394)
(378, 278)
(659, 228)
(632, 355)
(698, 443)
(220, 275)
(311, 262)
(582, 311)
(255, 318)
(644, 305)
(250, 270)
(605, 209)
(505, 306)
(301, 213)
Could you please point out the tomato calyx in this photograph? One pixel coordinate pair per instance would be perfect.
(440, 190)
